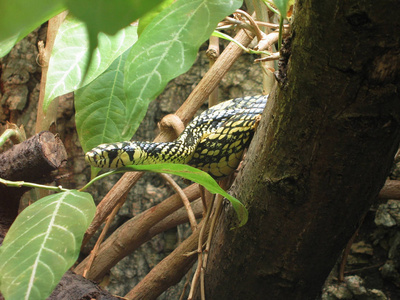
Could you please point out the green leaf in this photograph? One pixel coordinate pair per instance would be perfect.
(108, 16)
(7, 44)
(146, 19)
(19, 17)
(282, 6)
(43, 243)
(197, 176)
(70, 54)
(101, 108)
(167, 48)
(23, 17)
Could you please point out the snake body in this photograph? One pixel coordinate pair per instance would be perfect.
(213, 142)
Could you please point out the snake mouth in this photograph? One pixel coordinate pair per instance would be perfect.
(112, 157)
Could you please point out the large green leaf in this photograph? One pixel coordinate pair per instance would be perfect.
(146, 19)
(167, 48)
(19, 17)
(70, 55)
(43, 243)
(7, 44)
(108, 16)
(194, 175)
(101, 108)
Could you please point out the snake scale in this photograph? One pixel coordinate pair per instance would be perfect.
(214, 141)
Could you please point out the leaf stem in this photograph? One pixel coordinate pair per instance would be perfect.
(267, 3)
(281, 19)
(100, 177)
(6, 136)
(14, 133)
(32, 185)
(247, 50)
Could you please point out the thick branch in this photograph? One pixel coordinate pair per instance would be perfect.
(33, 161)
(134, 233)
(169, 271)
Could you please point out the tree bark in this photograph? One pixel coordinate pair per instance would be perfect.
(320, 155)
(32, 160)
(74, 287)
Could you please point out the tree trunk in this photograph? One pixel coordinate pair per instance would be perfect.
(320, 156)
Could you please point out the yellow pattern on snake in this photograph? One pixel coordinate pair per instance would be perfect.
(213, 142)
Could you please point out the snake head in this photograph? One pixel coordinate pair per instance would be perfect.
(112, 155)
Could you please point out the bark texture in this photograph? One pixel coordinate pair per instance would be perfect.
(320, 156)
(32, 160)
(73, 287)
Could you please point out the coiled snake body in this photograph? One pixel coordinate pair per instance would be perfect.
(213, 142)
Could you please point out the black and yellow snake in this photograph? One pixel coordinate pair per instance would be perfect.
(213, 142)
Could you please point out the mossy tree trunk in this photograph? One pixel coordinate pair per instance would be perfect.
(320, 156)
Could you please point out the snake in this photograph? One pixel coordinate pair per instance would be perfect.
(214, 141)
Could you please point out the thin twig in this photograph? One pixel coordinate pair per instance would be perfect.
(273, 56)
(202, 286)
(268, 68)
(346, 251)
(187, 282)
(229, 21)
(185, 200)
(232, 21)
(96, 247)
(212, 54)
(272, 25)
(364, 268)
(267, 41)
(200, 252)
(217, 213)
(246, 25)
(203, 199)
(218, 207)
(256, 29)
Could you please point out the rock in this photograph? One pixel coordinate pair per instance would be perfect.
(389, 272)
(394, 246)
(375, 294)
(337, 291)
(388, 214)
(362, 247)
(361, 253)
(355, 284)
